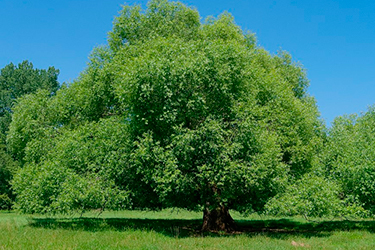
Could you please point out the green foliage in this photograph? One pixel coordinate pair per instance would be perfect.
(313, 196)
(170, 82)
(279, 88)
(349, 157)
(15, 82)
(161, 19)
(209, 164)
(29, 122)
(81, 170)
(18, 81)
(173, 112)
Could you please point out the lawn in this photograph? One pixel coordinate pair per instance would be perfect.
(178, 229)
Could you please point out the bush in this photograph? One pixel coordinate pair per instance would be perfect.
(313, 196)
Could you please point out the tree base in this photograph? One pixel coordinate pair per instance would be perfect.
(218, 219)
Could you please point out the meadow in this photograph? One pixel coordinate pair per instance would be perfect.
(178, 229)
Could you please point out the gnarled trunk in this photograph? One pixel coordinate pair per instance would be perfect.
(218, 219)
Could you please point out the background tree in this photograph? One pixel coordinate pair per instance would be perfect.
(16, 81)
(349, 157)
(203, 119)
(342, 183)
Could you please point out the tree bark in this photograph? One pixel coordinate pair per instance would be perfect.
(218, 219)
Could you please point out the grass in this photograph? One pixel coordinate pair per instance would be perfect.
(178, 229)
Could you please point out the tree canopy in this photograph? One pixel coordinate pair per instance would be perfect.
(342, 181)
(349, 157)
(172, 113)
(16, 81)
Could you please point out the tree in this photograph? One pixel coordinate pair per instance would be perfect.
(18, 81)
(208, 121)
(349, 158)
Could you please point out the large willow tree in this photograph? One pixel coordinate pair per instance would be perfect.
(172, 113)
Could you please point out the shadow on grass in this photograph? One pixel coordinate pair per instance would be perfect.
(173, 227)
(284, 228)
(277, 228)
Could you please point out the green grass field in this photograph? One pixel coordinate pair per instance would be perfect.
(178, 229)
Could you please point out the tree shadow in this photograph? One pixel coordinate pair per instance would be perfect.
(285, 228)
(275, 228)
(169, 227)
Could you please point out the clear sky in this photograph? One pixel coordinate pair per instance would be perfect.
(333, 39)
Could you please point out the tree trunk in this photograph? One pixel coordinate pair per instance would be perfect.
(218, 219)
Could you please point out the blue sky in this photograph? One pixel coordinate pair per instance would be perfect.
(333, 40)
